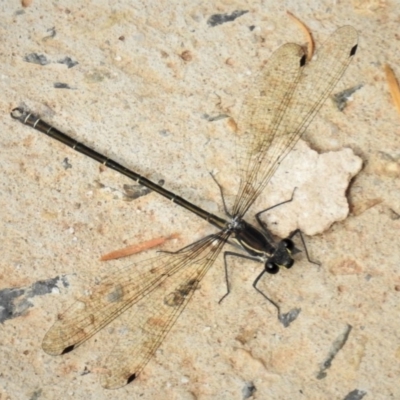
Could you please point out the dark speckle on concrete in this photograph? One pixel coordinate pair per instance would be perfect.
(35, 58)
(337, 345)
(66, 164)
(288, 318)
(341, 98)
(215, 118)
(355, 395)
(41, 59)
(133, 192)
(61, 85)
(68, 62)
(36, 395)
(248, 390)
(15, 302)
(52, 32)
(218, 19)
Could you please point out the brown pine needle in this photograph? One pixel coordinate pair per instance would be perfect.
(393, 86)
(304, 27)
(137, 248)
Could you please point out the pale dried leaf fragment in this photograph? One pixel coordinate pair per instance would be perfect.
(137, 248)
(393, 86)
(304, 27)
(26, 3)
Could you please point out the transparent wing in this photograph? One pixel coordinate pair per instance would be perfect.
(281, 105)
(162, 287)
(153, 318)
(261, 114)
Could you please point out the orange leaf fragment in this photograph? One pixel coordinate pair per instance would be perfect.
(303, 26)
(137, 248)
(393, 86)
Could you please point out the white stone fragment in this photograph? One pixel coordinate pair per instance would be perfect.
(321, 182)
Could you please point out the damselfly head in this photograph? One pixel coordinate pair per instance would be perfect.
(282, 257)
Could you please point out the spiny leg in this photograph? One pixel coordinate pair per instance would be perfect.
(226, 254)
(221, 191)
(262, 223)
(298, 232)
(287, 318)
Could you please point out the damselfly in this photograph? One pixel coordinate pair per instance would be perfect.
(277, 110)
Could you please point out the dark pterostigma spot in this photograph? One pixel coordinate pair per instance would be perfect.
(60, 85)
(35, 58)
(131, 379)
(288, 318)
(15, 302)
(355, 395)
(218, 19)
(337, 345)
(68, 62)
(248, 390)
(68, 349)
(341, 98)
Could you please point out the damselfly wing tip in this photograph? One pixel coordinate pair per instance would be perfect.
(55, 351)
(53, 347)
